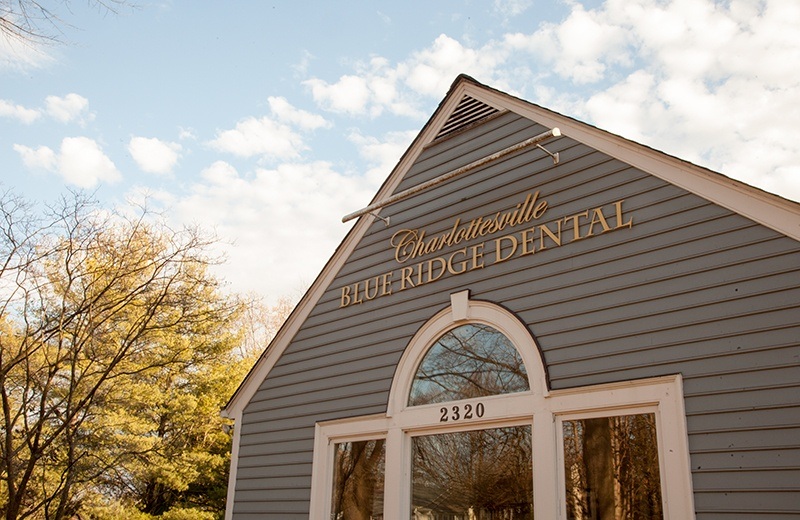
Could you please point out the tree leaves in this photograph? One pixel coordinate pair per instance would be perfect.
(117, 350)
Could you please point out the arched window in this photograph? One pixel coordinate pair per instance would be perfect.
(473, 360)
(473, 431)
(482, 473)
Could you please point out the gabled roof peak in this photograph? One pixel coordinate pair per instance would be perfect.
(469, 102)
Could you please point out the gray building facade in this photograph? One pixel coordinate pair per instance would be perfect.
(535, 318)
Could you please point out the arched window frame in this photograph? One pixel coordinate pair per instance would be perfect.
(545, 410)
(462, 311)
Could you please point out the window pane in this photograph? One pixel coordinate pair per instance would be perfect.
(469, 361)
(475, 475)
(358, 480)
(611, 468)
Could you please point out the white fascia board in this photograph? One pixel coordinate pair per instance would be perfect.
(771, 210)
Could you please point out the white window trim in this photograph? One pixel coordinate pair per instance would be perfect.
(464, 310)
(544, 410)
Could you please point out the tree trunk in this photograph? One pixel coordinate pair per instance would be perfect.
(599, 460)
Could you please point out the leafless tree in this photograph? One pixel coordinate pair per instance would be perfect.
(358, 480)
(611, 468)
(470, 361)
(35, 22)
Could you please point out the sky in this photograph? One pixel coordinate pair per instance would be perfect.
(266, 122)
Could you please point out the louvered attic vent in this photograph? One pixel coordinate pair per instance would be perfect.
(468, 111)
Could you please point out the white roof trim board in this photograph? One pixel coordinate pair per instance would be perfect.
(770, 210)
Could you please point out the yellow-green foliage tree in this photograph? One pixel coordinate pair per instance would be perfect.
(117, 350)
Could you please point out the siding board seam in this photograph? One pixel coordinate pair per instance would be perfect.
(715, 431)
(744, 225)
(310, 419)
(670, 295)
(324, 378)
(746, 409)
(325, 330)
(749, 470)
(619, 370)
(447, 212)
(782, 447)
(431, 158)
(655, 330)
(370, 355)
(749, 389)
(718, 373)
(659, 346)
(318, 400)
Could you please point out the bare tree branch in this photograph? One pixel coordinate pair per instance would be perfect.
(31, 22)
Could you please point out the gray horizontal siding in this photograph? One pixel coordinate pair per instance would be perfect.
(692, 288)
(765, 459)
(255, 477)
(277, 483)
(762, 503)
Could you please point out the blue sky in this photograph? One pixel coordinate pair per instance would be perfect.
(268, 121)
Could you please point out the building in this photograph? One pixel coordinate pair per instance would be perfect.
(535, 315)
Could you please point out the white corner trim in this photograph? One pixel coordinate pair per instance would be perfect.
(234, 465)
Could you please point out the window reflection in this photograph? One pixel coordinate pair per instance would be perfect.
(475, 475)
(611, 468)
(469, 361)
(358, 480)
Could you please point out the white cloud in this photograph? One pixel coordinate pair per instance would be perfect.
(185, 134)
(382, 155)
(83, 163)
(627, 107)
(219, 173)
(153, 155)
(711, 86)
(254, 136)
(67, 108)
(270, 137)
(711, 82)
(80, 162)
(581, 47)
(510, 8)
(285, 112)
(64, 109)
(42, 158)
(21, 54)
(285, 222)
(350, 95)
(431, 71)
(18, 112)
(403, 89)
